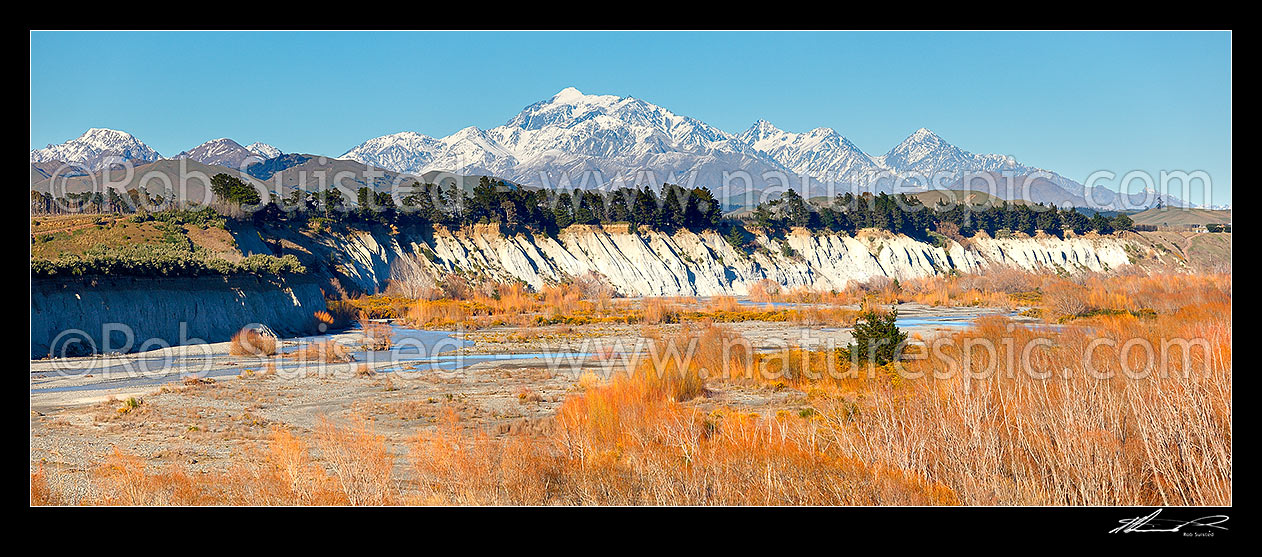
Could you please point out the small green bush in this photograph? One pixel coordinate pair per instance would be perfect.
(161, 261)
(876, 338)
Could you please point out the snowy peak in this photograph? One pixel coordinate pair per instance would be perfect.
(567, 95)
(605, 126)
(264, 150)
(821, 153)
(222, 152)
(97, 148)
(924, 135)
(927, 153)
(918, 145)
(761, 130)
(401, 152)
(571, 136)
(567, 106)
(467, 150)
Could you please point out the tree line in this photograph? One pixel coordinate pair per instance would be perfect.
(491, 201)
(906, 214)
(669, 208)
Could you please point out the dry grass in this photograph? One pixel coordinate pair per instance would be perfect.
(1139, 431)
(328, 352)
(323, 317)
(1164, 439)
(723, 303)
(341, 313)
(946, 430)
(630, 441)
(249, 342)
(586, 300)
(765, 290)
(360, 463)
(658, 311)
(377, 336)
(355, 468)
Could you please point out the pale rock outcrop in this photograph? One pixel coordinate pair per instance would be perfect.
(144, 313)
(652, 263)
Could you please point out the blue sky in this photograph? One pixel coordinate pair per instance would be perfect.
(1071, 102)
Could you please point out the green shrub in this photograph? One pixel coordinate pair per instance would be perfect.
(161, 261)
(876, 338)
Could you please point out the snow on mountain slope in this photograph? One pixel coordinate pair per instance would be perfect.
(263, 150)
(97, 148)
(575, 139)
(821, 153)
(572, 139)
(605, 125)
(926, 153)
(222, 152)
(466, 151)
(605, 141)
(401, 152)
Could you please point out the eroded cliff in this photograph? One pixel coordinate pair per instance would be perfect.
(652, 263)
(134, 311)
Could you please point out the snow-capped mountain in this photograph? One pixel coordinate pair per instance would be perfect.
(604, 126)
(223, 152)
(467, 151)
(605, 141)
(264, 150)
(401, 152)
(97, 148)
(925, 153)
(574, 139)
(821, 153)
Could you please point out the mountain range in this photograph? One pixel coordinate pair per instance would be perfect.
(604, 141)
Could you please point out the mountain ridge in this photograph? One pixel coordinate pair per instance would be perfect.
(573, 139)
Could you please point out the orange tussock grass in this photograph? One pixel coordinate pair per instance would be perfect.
(455, 467)
(249, 342)
(900, 436)
(824, 315)
(436, 313)
(1161, 436)
(624, 443)
(341, 313)
(42, 493)
(723, 303)
(359, 462)
(323, 317)
(629, 442)
(355, 468)
(803, 295)
(658, 310)
(125, 480)
(377, 336)
(1012, 438)
(561, 299)
(327, 351)
(765, 290)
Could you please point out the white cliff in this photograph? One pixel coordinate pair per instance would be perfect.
(653, 263)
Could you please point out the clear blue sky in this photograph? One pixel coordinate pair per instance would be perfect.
(1071, 102)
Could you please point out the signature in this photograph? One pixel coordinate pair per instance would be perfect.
(1151, 523)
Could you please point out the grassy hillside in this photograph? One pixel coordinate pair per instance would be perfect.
(932, 197)
(55, 236)
(1171, 216)
(956, 197)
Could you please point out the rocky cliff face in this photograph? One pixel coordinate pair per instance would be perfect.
(651, 263)
(171, 310)
(636, 263)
